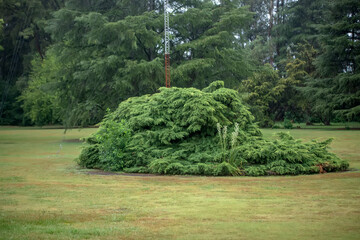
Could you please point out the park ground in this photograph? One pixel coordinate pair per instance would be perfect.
(45, 195)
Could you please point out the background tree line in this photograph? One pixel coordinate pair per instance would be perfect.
(68, 61)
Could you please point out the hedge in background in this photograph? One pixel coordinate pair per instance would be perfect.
(201, 132)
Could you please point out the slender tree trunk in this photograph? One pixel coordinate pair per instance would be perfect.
(277, 11)
(271, 9)
(57, 5)
(282, 8)
(38, 47)
(151, 5)
(353, 42)
(277, 23)
(37, 42)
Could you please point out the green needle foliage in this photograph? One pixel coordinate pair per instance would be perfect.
(202, 132)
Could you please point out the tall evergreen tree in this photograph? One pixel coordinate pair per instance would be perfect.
(209, 45)
(103, 62)
(110, 52)
(335, 91)
(23, 37)
(298, 25)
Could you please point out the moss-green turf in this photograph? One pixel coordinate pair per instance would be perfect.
(44, 195)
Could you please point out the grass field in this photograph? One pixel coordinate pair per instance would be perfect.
(44, 195)
(333, 126)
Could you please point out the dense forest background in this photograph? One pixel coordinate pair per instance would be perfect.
(70, 61)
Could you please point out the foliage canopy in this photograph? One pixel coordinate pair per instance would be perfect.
(67, 61)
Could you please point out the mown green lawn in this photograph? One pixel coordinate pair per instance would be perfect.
(333, 126)
(44, 195)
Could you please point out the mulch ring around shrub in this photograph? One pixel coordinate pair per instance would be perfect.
(76, 140)
(104, 173)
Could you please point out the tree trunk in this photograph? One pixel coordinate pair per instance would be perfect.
(151, 5)
(38, 46)
(326, 120)
(282, 8)
(271, 9)
(353, 42)
(277, 11)
(56, 5)
(277, 23)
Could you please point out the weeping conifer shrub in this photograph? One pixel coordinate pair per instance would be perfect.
(199, 132)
